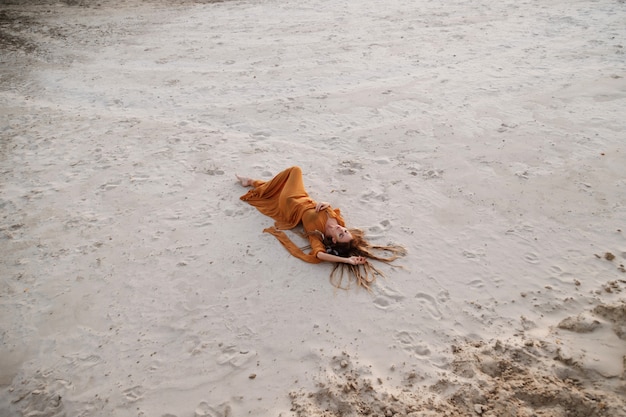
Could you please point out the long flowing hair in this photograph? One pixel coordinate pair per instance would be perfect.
(344, 275)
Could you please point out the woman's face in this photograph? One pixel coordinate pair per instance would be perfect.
(340, 234)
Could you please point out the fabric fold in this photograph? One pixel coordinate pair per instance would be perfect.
(292, 247)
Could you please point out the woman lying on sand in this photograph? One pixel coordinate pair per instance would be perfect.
(284, 199)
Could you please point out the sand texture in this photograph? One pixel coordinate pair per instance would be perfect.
(486, 137)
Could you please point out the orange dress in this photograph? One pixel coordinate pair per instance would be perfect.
(284, 199)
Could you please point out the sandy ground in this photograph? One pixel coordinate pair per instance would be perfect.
(487, 137)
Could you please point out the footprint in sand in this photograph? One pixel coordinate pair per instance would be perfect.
(477, 284)
(380, 228)
(555, 269)
(385, 225)
(374, 196)
(430, 305)
(387, 298)
(234, 212)
(405, 338)
(133, 394)
(83, 362)
(531, 258)
(139, 178)
(110, 185)
(350, 167)
(262, 134)
(410, 342)
(430, 174)
(204, 409)
(202, 223)
(473, 254)
(235, 356)
(443, 296)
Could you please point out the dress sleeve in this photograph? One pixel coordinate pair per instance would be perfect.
(294, 249)
(317, 246)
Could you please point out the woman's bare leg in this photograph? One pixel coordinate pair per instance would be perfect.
(245, 181)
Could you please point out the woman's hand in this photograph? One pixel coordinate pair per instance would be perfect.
(321, 206)
(356, 260)
(353, 260)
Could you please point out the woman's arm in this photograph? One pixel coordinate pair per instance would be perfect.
(353, 260)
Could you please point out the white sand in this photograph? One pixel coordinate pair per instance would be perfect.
(486, 137)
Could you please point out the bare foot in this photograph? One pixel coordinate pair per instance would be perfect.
(245, 181)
